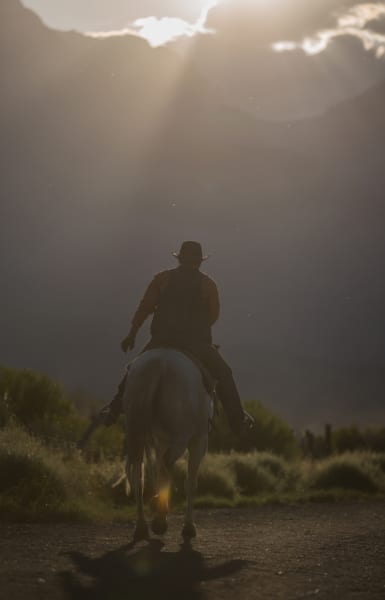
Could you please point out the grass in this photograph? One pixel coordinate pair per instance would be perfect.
(38, 483)
(41, 484)
(254, 474)
(351, 471)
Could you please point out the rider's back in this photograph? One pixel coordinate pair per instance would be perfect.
(182, 315)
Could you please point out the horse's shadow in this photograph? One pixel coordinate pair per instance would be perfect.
(144, 573)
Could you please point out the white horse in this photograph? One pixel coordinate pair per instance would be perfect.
(168, 410)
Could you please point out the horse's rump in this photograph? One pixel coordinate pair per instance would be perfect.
(164, 397)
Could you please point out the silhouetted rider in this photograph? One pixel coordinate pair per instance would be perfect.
(185, 304)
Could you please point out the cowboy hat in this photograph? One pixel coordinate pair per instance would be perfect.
(190, 250)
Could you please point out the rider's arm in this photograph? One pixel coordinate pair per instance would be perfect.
(149, 301)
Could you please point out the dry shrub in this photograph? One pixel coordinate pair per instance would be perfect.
(215, 479)
(30, 477)
(107, 482)
(252, 477)
(348, 471)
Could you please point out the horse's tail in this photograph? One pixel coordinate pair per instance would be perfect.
(142, 387)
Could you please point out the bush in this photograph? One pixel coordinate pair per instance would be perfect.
(41, 483)
(275, 464)
(352, 439)
(29, 482)
(348, 439)
(349, 471)
(377, 460)
(37, 482)
(39, 404)
(30, 478)
(216, 479)
(270, 434)
(31, 396)
(102, 484)
(227, 475)
(375, 439)
(251, 476)
(106, 443)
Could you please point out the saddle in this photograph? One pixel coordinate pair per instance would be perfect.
(209, 382)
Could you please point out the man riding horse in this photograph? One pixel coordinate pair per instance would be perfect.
(185, 304)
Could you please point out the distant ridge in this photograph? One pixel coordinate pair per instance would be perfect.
(112, 151)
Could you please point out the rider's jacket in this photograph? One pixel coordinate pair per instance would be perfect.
(184, 302)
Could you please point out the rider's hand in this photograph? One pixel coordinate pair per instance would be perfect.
(129, 342)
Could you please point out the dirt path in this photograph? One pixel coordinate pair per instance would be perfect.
(325, 551)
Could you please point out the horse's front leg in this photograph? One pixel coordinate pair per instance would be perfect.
(141, 528)
(197, 450)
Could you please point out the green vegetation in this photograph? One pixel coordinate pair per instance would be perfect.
(42, 408)
(352, 471)
(270, 434)
(38, 483)
(39, 404)
(43, 476)
(353, 438)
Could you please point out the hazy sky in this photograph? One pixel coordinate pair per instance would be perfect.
(108, 167)
(160, 21)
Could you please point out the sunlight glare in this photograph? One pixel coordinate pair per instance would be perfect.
(284, 46)
(160, 31)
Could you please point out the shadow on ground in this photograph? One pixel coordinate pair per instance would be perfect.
(139, 574)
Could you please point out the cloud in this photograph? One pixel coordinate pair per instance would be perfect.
(166, 29)
(377, 25)
(289, 24)
(356, 22)
(112, 15)
(265, 19)
(269, 21)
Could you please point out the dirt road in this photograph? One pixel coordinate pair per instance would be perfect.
(323, 551)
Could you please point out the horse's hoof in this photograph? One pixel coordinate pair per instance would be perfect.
(189, 531)
(141, 532)
(159, 525)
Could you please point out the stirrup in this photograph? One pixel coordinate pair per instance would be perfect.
(248, 421)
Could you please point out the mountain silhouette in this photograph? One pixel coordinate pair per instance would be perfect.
(113, 152)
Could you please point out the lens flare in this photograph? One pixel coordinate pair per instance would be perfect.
(164, 498)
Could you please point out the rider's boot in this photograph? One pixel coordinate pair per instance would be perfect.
(112, 411)
(247, 424)
(239, 420)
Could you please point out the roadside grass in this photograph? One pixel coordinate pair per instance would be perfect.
(38, 483)
(351, 471)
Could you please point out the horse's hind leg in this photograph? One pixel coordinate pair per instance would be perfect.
(160, 502)
(141, 528)
(197, 450)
